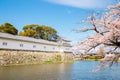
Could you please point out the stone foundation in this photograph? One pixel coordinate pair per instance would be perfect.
(32, 57)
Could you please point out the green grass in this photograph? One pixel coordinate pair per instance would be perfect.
(48, 62)
(94, 57)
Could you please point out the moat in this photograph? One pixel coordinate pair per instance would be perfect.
(79, 70)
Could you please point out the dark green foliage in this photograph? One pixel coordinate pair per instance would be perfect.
(58, 58)
(94, 57)
(32, 30)
(8, 28)
(42, 32)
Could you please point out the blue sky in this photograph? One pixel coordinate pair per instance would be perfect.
(63, 15)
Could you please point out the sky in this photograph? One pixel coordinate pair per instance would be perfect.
(63, 15)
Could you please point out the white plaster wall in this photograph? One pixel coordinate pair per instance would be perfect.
(15, 44)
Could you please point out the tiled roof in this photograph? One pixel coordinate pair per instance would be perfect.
(16, 37)
(65, 39)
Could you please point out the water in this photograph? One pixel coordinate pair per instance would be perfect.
(80, 70)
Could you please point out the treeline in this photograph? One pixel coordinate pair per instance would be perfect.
(32, 30)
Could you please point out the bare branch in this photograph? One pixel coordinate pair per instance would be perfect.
(85, 29)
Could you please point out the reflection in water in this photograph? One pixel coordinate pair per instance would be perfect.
(36, 72)
(64, 71)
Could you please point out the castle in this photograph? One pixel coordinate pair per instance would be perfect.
(15, 42)
(16, 49)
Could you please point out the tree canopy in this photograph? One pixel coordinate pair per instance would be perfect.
(8, 28)
(107, 33)
(39, 32)
(29, 33)
(32, 30)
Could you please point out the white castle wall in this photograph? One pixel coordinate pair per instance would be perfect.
(8, 41)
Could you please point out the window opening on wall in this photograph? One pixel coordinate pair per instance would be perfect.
(53, 48)
(67, 48)
(5, 43)
(44, 47)
(21, 45)
(34, 46)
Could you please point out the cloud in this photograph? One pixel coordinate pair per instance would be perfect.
(89, 4)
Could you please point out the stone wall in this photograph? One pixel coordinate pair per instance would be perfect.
(8, 57)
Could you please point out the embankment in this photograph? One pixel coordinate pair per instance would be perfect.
(15, 57)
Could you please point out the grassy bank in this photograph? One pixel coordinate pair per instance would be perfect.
(36, 63)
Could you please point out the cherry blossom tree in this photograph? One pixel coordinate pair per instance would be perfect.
(107, 33)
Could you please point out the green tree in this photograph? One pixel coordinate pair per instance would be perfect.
(49, 33)
(8, 28)
(30, 27)
(43, 32)
(29, 33)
